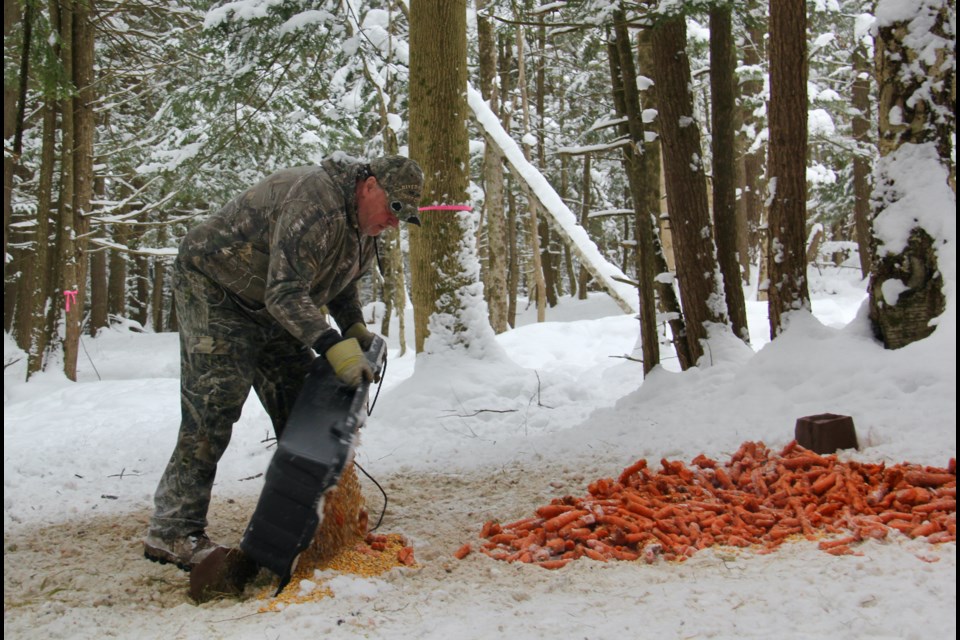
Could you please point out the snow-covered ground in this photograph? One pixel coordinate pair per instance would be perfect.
(456, 442)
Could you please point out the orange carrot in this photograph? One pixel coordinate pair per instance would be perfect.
(405, 556)
(825, 482)
(553, 510)
(758, 498)
(807, 460)
(462, 552)
(928, 478)
(830, 544)
(925, 529)
(503, 538)
(559, 521)
(633, 469)
(943, 504)
(619, 522)
(523, 523)
(704, 462)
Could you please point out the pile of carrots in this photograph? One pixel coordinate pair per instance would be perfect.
(758, 499)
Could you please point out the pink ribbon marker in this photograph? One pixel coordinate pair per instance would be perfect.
(447, 207)
(71, 296)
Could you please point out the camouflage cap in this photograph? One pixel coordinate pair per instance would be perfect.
(402, 179)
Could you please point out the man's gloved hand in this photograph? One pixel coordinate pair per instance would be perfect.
(360, 332)
(349, 363)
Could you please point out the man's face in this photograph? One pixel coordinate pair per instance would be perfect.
(373, 211)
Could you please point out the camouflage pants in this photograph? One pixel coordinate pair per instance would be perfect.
(223, 353)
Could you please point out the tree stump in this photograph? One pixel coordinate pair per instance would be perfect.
(826, 433)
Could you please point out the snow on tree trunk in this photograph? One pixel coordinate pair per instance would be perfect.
(566, 222)
(914, 194)
(723, 104)
(449, 309)
(643, 183)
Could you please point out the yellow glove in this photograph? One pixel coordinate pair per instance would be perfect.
(360, 332)
(349, 363)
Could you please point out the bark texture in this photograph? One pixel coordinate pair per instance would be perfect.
(701, 288)
(439, 143)
(787, 254)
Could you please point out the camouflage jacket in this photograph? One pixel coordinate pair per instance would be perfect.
(288, 246)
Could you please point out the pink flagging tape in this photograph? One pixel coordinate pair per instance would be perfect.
(71, 296)
(447, 207)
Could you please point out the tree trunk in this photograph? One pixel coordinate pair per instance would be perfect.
(44, 302)
(99, 311)
(701, 289)
(723, 93)
(586, 199)
(667, 295)
(505, 64)
(536, 269)
(117, 278)
(917, 123)
(394, 288)
(787, 162)
(513, 259)
(752, 194)
(66, 231)
(623, 74)
(861, 162)
(99, 316)
(139, 303)
(439, 142)
(549, 256)
(567, 254)
(495, 286)
(159, 278)
(14, 93)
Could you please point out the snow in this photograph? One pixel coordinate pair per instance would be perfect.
(566, 222)
(456, 440)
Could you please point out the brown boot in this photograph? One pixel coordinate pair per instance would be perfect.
(185, 552)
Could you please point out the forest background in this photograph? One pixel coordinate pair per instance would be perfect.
(662, 152)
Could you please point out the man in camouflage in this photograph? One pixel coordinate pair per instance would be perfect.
(249, 285)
